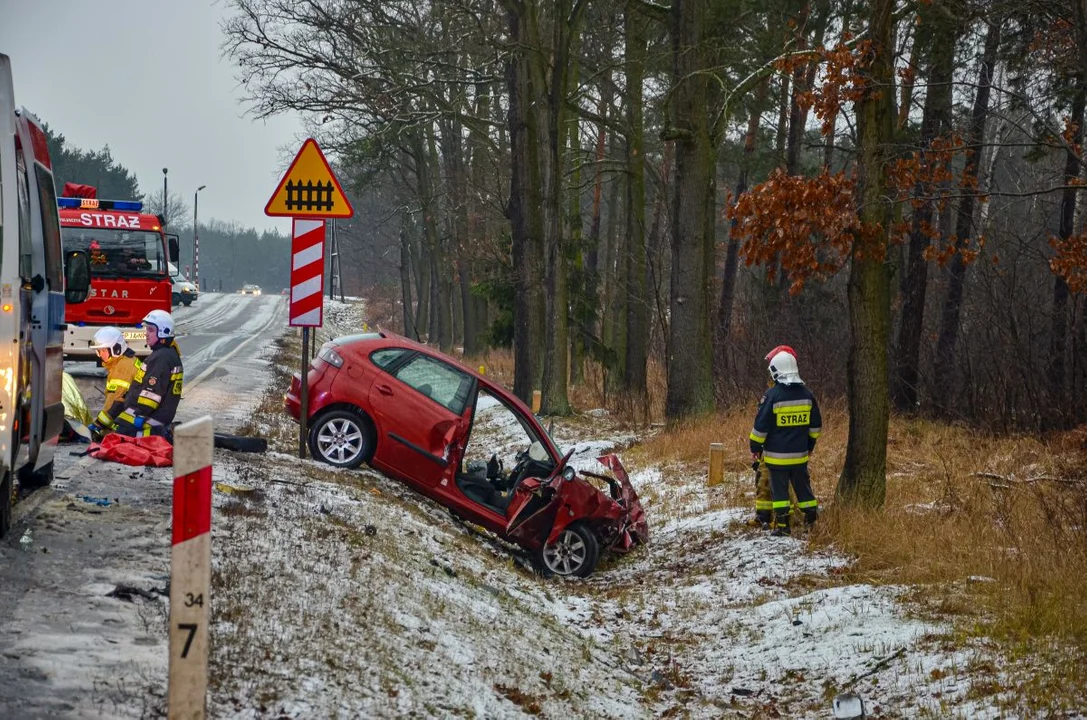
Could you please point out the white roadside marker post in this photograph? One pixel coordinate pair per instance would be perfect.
(190, 570)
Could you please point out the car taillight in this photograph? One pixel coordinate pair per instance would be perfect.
(330, 356)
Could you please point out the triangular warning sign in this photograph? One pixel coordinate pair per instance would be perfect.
(309, 189)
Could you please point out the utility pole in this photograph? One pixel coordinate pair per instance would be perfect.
(164, 196)
(196, 239)
(334, 279)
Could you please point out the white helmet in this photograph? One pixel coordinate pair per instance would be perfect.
(162, 321)
(112, 339)
(783, 369)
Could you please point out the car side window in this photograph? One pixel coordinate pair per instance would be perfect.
(385, 358)
(436, 380)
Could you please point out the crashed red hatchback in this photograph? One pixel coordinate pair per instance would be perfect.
(419, 416)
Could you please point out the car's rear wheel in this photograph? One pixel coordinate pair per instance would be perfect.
(342, 438)
(175, 298)
(573, 554)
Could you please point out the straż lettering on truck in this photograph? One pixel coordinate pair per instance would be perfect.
(130, 257)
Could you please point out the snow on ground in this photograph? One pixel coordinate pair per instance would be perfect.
(345, 594)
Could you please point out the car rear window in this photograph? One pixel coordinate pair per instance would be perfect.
(438, 381)
(385, 358)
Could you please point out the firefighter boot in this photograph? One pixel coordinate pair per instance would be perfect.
(810, 516)
(781, 525)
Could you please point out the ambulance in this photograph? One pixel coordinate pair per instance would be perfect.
(130, 256)
(37, 279)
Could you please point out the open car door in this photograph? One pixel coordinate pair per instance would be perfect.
(532, 508)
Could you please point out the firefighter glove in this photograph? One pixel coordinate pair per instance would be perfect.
(138, 422)
(94, 429)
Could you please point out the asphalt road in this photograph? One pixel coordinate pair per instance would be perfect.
(68, 648)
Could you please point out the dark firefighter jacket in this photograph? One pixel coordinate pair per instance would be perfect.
(786, 425)
(120, 372)
(156, 389)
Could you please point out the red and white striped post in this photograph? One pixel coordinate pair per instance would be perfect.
(190, 570)
(307, 272)
(307, 301)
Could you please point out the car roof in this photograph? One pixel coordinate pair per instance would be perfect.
(368, 342)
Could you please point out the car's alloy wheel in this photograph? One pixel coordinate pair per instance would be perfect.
(342, 439)
(573, 554)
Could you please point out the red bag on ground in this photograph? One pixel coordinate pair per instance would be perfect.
(153, 450)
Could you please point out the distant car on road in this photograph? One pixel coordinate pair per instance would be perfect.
(184, 292)
(250, 290)
(417, 415)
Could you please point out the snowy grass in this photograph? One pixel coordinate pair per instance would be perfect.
(345, 594)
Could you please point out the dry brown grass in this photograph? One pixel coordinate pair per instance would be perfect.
(991, 531)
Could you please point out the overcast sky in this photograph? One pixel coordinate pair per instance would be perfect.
(146, 78)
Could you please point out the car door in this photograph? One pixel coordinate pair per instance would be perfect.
(418, 403)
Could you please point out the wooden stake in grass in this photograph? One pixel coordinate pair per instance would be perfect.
(536, 398)
(717, 464)
(190, 570)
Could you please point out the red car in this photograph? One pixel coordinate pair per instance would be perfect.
(419, 416)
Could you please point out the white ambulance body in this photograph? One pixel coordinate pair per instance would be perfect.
(35, 282)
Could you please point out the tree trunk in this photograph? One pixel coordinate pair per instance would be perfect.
(637, 306)
(405, 286)
(1057, 413)
(524, 205)
(690, 379)
(732, 253)
(935, 121)
(947, 337)
(864, 476)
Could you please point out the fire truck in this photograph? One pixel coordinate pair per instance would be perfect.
(36, 280)
(130, 256)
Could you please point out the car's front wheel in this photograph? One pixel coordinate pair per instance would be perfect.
(573, 554)
(341, 438)
(187, 302)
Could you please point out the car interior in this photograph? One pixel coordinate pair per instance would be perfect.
(491, 485)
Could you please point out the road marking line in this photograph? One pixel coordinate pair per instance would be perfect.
(211, 368)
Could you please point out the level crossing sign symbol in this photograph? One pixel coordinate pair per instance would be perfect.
(309, 189)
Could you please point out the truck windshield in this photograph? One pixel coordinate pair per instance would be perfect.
(118, 253)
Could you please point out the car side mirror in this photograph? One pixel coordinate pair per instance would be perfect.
(174, 243)
(568, 473)
(77, 276)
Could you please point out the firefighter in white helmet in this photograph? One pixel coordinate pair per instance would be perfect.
(121, 366)
(787, 426)
(151, 402)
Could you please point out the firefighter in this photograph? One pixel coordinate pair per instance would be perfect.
(151, 402)
(121, 366)
(764, 499)
(787, 426)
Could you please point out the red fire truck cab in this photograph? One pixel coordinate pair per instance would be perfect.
(130, 271)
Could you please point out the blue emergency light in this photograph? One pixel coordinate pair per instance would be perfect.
(95, 204)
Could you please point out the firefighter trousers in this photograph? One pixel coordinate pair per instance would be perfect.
(796, 477)
(764, 496)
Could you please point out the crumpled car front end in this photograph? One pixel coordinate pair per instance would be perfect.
(621, 523)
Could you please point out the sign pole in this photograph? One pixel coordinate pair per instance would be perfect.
(304, 414)
(190, 571)
(310, 194)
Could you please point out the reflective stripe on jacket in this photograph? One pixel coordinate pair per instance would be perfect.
(786, 426)
(156, 388)
(121, 372)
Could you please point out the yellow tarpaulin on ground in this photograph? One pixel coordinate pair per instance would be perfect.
(75, 408)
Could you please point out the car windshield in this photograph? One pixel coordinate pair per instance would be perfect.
(118, 252)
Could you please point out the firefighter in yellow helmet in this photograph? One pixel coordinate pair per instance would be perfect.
(785, 431)
(121, 366)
